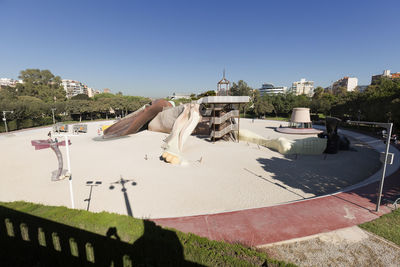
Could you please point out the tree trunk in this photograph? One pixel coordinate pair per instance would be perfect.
(80, 117)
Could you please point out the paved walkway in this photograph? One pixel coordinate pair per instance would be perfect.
(255, 227)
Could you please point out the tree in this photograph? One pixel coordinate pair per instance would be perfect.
(318, 92)
(80, 97)
(208, 93)
(241, 89)
(41, 84)
(262, 106)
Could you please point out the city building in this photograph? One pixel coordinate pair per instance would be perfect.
(386, 74)
(73, 88)
(9, 82)
(107, 90)
(303, 87)
(269, 89)
(349, 83)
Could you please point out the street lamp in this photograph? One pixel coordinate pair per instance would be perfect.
(52, 111)
(388, 127)
(4, 117)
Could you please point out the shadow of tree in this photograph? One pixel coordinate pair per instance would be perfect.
(27, 240)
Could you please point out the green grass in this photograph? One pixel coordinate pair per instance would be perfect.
(387, 226)
(277, 118)
(196, 249)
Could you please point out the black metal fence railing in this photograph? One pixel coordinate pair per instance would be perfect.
(27, 240)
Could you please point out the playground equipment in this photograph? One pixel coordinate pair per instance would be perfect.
(60, 127)
(79, 128)
(60, 173)
(181, 121)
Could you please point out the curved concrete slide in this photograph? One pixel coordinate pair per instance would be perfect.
(182, 129)
(134, 122)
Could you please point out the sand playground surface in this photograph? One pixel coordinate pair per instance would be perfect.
(218, 177)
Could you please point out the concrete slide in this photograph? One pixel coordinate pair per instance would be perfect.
(134, 122)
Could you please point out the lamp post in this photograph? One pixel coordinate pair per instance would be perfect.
(52, 111)
(4, 117)
(69, 173)
(388, 127)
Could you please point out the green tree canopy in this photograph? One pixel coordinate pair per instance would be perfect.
(241, 88)
(41, 84)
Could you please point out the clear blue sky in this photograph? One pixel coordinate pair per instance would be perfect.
(154, 48)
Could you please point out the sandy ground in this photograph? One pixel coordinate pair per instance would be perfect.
(221, 176)
(345, 247)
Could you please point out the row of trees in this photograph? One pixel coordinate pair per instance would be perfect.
(33, 100)
(379, 102)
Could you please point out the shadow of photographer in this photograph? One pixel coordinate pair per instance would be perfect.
(27, 240)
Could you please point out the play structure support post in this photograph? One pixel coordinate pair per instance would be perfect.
(389, 134)
(69, 172)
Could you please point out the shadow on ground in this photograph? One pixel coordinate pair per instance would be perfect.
(27, 240)
(323, 174)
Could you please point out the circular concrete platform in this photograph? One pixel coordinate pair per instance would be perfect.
(289, 130)
(219, 177)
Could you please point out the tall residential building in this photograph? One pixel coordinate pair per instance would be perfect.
(350, 83)
(268, 89)
(303, 87)
(73, 88)
(386, 74)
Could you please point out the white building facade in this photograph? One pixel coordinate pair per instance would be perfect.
(350, 83)
(73, 88)
(9, 82)
(270, 89)
(303, 87)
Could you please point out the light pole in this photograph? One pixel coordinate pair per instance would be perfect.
(69, 173)
(4, 117)
(388, 127)
(52, 111)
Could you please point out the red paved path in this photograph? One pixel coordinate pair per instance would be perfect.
(260, 226)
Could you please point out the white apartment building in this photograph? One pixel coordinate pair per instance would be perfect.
(268, 89)
(73, 88)
(350, 83)
(303, 87)
(9, 82)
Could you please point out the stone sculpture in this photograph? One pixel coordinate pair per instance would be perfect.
(161, 116)
(60, 173)
(135, 121)
(181, 130)
(306, 146)
(334, 141)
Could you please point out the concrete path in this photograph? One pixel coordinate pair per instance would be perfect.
(255, 227)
